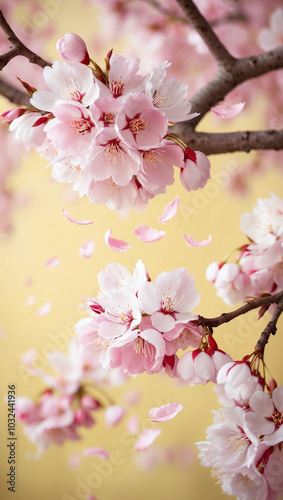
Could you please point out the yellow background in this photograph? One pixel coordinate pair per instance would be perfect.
(40, 232)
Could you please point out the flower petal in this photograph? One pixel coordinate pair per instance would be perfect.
(86, 250)
(79, 222)
(148, 234)
(169, 211)
(45, 309)
(113, 415)
(228, 111)
(52, 262)
(116, 245)
(166, 412)
(191, 242)
(97, 452)
(146, 438)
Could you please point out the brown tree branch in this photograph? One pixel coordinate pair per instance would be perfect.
(254, 304)
(204, 29)
(14, 95)
(17, 48)
(229, 142)
(270, 328)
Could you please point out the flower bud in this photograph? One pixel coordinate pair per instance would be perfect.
(72, 48)
(196, 172)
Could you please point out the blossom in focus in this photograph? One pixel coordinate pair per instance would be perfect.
(72, 48)
(231, 282)
(196, 170)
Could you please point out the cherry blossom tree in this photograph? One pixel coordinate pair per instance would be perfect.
(117, 133)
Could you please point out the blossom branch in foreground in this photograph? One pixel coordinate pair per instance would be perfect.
(13, 94)
(17, 48)
(271, 327)
(254, 304)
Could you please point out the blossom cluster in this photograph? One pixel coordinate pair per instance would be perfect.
(139, 325)
(67, 401)
(259, 264)
(244, 446)
(107, 131)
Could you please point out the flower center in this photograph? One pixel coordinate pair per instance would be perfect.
(113, 153)
(109, 117)
(137, 125)
(116, 87)
(277, 417)
(154, 158)
(143, 348)
(238, 442)
(81, 126)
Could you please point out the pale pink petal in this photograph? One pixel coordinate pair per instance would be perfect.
(97, 452)
(90, 497)
(133, 425)
(28, 281)
(30, 301)
(146, 438)
(169, 211)
(228, 111)
(191, 242)
(45, 309)
(113, 415)
(74, 460)
(166, 412)
(86, 250)
(116, 245)
(79, 222)
(52, 262)
(148, 234)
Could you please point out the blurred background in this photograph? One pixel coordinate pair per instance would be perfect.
(34, 229)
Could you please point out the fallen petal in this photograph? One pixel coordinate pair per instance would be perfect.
(79, 222)
(191, 242)
(97, 452)
(228, 111)
(86, 250)
(166, 412)
(116, 245)
(148, 234)
(146, 438)
(113, 415)
(45, 309)
(169, 211)
(52, 262)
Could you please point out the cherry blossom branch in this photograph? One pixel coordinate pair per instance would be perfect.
(270, 328)
(254, 304)
(219, 143)
(17, 48)
(204, 29)
(170, 14)
(13, 94)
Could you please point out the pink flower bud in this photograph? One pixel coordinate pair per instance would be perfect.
(196, 171)
(72, 48)
(12, 114)
(83, 418)
(271, 385)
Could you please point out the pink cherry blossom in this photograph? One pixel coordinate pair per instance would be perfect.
(169, 211)
(196, 172)
(200, 367)
(79, 222)
(191, 242)
(239, 383)
(232, 283)
(266, 417)
(116, 197)
(272, 37)
(228, 111)
(123, 75)
(116, 245)
(24, 131)
(72, 48)
(146, 438)
(164, 413)
(139, 124)
(86, 250)
(148, 234)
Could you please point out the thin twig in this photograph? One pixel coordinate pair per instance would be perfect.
(169, 13)
(229, 142)
(204, 29)
(254, 304)
(270, 328)
(17, 48)
(14, 95)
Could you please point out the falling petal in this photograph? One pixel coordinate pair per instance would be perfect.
(28, 281)
(97, 452)
(116, 245)
(169, 211)
(191, 242)
(148, 234)
(74, 460)
(133, 425)
(146, 438)
(228, 111)
(52, 262)
(45, 309)
(166, 412)
(79, 222)
(86, 250)
(113, 415)
(30, 301)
